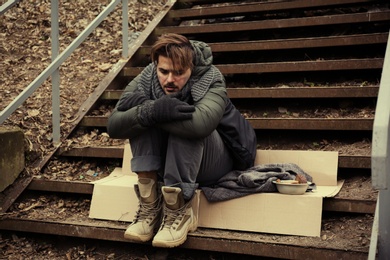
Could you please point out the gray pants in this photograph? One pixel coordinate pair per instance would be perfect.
(181, 162)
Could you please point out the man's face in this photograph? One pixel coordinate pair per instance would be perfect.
(171, 81)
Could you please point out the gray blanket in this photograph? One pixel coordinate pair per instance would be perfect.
(256, 179)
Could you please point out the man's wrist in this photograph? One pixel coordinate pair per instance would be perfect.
(146, 114)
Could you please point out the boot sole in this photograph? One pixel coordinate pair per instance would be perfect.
(137, 238)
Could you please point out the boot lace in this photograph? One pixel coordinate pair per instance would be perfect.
(173, 217)
(148, 211)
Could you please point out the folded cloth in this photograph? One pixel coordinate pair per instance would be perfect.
(256, 179)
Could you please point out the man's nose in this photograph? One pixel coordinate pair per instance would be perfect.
(170, 77)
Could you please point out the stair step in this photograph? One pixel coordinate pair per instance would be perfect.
(292, 43)
(312, 123)
(277, 123)
(248, 243)
(284, 92)
(339, 19)
(92, 151)
(287, 66)
(345, 161)
(248, 8)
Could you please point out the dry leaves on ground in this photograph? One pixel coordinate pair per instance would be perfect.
(25, 51)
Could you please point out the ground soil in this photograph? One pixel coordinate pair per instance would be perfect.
(25, 53)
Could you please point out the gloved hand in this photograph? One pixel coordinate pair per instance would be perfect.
(165, 109)
(130, 99)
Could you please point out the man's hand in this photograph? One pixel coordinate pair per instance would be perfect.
(130, 99)
(165, 109)
(168, 109)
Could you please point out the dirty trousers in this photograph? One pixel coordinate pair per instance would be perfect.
(181, 162)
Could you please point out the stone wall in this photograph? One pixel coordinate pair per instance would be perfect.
(12, 159)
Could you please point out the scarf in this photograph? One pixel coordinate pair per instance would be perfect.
(193, 91)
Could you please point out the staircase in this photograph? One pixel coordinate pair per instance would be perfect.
(304, 73)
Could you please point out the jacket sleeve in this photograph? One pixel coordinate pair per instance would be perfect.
(124, 124)
(208, 113)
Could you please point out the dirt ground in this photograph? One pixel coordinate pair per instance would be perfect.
(25, 53)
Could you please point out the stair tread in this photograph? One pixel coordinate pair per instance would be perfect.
(277, 23)
(283, 90)
(285, 66)
(244, 8)
(348, 245)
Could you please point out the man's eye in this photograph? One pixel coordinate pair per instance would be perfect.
(165, 72)
(178, 72)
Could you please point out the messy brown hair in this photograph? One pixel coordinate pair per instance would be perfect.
(175, 47)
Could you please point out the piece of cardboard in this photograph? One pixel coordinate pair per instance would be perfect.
(321, 165)
(114, 198)
(274, 212)
(126, 163)
(266, 212)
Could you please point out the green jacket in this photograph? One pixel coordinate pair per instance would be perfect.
(208, 110)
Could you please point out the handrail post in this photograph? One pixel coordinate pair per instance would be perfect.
(55, 76)
(125, 29)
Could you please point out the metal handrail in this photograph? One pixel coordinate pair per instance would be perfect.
(380, 163)
(8, 5)
(57, 60)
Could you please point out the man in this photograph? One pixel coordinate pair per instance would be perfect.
(184, 133)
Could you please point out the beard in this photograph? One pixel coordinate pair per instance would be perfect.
(170, 88)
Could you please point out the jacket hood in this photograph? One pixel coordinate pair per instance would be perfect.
(203, 57)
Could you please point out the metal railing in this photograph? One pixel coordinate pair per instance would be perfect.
(57, 59)
(380, 165)
(6, 6)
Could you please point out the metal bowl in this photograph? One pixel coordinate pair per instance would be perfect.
(291, 187)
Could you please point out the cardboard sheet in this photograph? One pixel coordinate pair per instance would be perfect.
(274, 212)
(267, 213)
(322, 166)
(114, 198)
(126, 163)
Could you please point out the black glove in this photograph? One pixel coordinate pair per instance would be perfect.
(165, 109)
(129, 100)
